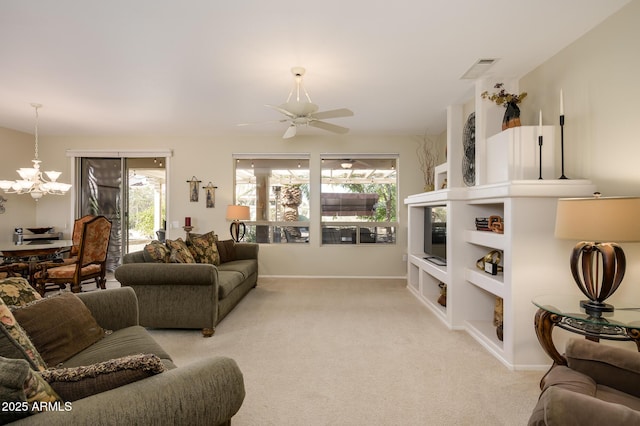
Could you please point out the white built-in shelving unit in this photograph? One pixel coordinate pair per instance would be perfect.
(507, 186)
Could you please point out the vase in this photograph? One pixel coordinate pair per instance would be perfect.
(511, 116)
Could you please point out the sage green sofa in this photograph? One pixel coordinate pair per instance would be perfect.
(206, 392)
(189, 295)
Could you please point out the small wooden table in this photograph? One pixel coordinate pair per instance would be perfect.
(33, 253)
(623, 324)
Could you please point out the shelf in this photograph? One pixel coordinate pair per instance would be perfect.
(494, 284)
(437, 271)
(486, 239)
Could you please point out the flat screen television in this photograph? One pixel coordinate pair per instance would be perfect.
(435, 234)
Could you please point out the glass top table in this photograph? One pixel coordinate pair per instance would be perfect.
(564, 311)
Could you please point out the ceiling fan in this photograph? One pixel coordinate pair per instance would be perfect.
(302, 112)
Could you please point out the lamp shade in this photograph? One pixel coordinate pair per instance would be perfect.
(235, 212)
(606, 219)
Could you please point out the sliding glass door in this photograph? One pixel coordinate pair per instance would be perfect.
(131, 193)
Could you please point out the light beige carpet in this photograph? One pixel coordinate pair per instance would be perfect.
(356, 352)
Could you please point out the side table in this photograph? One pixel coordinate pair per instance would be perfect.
(565, 312)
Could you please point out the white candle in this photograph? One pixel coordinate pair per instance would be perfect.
(561, 103)
(540, 124)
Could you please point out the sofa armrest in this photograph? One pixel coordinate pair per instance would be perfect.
(558, 406)
(140, 274)
(247, 251)
(113, 308)
(611, 366)
(208, 391)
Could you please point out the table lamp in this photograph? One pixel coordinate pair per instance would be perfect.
(598, 266)
(236, 214)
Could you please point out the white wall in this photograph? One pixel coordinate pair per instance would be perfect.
(210, 159)
(16, 150)
(599, 77)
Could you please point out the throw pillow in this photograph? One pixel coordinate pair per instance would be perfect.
(79, 382)
(227, 250)
(156, 251)
(20, 388)
(203, 248)
(59, 326)
(179, 252)
(17, 291)
(14, 341)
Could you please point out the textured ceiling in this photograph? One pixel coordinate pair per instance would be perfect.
(202, 67)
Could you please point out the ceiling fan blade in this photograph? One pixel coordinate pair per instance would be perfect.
(328, 126)
(334, 113)
(282, 110)
(291, 132)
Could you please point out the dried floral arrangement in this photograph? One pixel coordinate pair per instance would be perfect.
(427, 157)
(502, 97)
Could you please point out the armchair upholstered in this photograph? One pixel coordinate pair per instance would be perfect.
(599, 385)
(90, 262)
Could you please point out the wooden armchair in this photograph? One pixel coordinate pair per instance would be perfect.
(76, 237)
(89, 264)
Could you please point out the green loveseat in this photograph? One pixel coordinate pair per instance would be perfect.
(206, 392)
(189, 295)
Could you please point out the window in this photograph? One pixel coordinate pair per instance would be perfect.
(359, 199)
(276, 189)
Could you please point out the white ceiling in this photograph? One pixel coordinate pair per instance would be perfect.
(202, 66)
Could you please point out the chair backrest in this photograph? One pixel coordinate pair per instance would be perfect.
(76, 237)
(94, 245)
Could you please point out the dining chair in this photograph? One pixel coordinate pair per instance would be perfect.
(76, 237)
(90, 263)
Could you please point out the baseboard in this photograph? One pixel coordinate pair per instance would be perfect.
(355, 277)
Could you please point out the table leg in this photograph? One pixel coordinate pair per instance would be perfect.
(634, 334)
(544, 323)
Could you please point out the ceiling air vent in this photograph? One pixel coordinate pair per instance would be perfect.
(480, 67)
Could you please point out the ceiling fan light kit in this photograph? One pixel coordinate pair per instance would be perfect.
(301, 111)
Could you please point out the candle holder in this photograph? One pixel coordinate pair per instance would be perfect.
(540, 147)
(562, 146)
(187, 229)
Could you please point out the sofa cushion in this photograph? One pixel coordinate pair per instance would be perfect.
(14, 341)
(203, 248)
(17, 291)
(79, 382)
(180, 253)
(120, 343)
(21, 385)
(60, 326)
(246, 267)
(228, 281)
(227, 250)
(157, 252)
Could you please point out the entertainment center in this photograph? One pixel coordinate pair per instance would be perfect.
(532, 262)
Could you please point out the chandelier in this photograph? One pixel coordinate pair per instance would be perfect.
(32, 180)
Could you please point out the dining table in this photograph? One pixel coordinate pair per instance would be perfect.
(33, 253)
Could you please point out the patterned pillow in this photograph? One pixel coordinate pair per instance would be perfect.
(68, 329)
(17, 291)
(20, 384)
(79, 382)
(227, 250)
(203, 248)
(14, 342)
(156, 251)
(179, 252)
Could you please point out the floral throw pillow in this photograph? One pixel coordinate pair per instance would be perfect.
(20, 384)
(16, 291)
(156, 251)
(179, 252)
(14, 342)
(204, 248)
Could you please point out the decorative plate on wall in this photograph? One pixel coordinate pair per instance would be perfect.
(469, 151)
